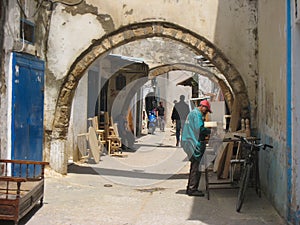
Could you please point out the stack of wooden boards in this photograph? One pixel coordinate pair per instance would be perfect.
(89, 145)
(225, 152)
(224, 156)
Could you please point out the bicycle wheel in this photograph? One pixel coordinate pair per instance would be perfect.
(243, 186)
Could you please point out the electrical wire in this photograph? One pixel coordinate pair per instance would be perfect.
(38, 8)
(23, 32)
(23, 39)
(21, 8)
(36, 11)
(40, 4)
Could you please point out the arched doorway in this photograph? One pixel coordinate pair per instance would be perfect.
(228, 95)
(197, 43)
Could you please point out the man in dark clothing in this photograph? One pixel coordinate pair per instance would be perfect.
(161, 116)
(127, 137)
(179, 114)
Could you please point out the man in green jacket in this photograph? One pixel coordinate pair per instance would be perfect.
(193, 143)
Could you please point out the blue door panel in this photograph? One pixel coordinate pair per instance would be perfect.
(20, 111)
(27, 107)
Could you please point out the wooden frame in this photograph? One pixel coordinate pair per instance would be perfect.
(19, 193)
(109, 136)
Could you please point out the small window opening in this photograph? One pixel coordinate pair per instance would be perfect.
(120, 82)
(27, 31)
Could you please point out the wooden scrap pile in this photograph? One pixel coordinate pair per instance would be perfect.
(89, 145)
(225, 152)
(92, 144)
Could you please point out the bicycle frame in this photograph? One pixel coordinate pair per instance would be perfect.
(251, 159)
(248, 164)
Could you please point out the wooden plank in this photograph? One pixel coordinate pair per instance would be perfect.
(93, 143)
(23, 162)
(115, 127)
(229, 152)
(211, 124)
(235, 116)
(221, 153)
(95, 122)
(220, 160)
(82, 144)
(121, 155)
(236, 160)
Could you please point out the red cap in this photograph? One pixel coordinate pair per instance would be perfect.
(206, 104)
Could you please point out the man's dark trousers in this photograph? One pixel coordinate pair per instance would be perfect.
(194, 176)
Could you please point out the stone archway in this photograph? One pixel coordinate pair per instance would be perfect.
(156, 71)
(126, 34)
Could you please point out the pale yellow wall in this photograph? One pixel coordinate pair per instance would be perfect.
(235, 33)
(271, 98)
(228, 24)
(272, 66)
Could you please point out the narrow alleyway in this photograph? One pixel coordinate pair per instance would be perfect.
(146, 187)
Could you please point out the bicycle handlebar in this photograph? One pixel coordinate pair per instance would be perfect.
(243, 139)
(269, 146)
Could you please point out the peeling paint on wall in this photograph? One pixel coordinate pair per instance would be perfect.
(269, 108)
(84, 8)
(272, 170)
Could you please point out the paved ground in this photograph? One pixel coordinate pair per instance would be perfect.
(146, 187)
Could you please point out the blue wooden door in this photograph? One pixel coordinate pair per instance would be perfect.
(27, 107)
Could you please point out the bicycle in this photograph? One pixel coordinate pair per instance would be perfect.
(248, 163)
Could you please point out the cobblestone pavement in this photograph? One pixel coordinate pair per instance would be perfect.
(146, 187)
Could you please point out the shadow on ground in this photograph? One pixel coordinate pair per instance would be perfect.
(74, 168)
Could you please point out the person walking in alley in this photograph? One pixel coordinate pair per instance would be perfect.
(126, 135)
(193, 143)
(179, 114)
(160, 110)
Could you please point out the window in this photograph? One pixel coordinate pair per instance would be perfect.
(27, 31)
(120, 82)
